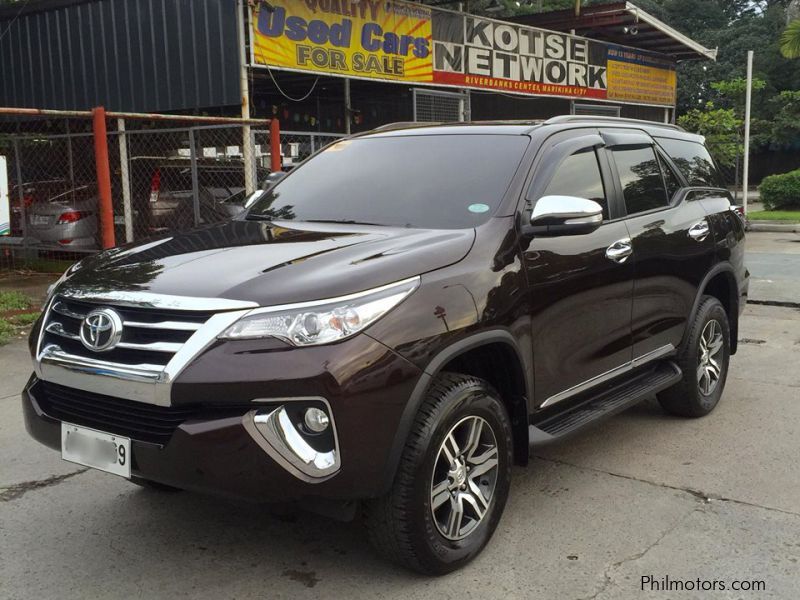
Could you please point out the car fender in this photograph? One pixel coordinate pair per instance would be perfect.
(720, 267)
(434, 367)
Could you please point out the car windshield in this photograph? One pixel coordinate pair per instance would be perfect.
(423, 181)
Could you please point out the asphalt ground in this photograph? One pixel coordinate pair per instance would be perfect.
(641, 495)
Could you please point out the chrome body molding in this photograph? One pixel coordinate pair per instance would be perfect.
(200, 340)
(151, 300)
(611, 374)
(276, 434)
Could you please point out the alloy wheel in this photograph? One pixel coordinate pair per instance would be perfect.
(464, 477)
(710, 358)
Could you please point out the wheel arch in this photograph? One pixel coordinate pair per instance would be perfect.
(469, 356)
(719, 282)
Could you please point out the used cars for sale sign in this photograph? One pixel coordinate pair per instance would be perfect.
(369, 39)
(400, 41)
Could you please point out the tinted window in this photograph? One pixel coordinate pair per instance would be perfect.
(694, 162)
(670, 178)
(579, 176)
(640, 176)
(434, 181)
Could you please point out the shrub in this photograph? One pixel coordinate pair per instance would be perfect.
(781, 191)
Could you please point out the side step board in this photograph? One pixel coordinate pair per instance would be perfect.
(610, 402)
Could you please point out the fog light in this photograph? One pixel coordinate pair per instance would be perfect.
(316, 420)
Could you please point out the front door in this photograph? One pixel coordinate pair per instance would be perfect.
(580, 299)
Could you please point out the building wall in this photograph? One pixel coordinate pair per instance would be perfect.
(131, 55)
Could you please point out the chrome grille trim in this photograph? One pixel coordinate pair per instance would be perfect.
(141, 381)
(170, 347)
(57, 328)
(53, 354)
(64, 310)
(171, 325)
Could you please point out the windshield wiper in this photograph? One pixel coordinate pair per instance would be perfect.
(340, 221)
(256, 217)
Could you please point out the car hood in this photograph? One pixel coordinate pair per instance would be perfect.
(272, 263)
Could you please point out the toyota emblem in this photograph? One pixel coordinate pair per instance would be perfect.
(101, 330)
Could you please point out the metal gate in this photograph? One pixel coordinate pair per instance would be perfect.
(436, 106)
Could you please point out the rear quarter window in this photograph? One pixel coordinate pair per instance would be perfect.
(694, 161)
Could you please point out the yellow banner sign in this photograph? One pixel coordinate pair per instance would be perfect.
(371, 38)
(633, 77)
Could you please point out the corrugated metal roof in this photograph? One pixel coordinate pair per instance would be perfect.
(134, 55)
(621, 23)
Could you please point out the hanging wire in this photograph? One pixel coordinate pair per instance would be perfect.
(287, 96)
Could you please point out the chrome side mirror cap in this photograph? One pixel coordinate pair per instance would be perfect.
(565, 215)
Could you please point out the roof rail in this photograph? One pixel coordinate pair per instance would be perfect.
(590, 118)
(402, 125)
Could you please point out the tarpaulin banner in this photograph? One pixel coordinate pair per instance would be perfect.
(399, 41)
(366, 39)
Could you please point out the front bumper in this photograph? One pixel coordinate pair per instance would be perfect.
(218, 450)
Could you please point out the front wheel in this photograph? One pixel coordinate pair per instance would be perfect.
(452, 482)
(704, 362)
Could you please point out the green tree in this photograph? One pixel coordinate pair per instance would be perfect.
(721, 128)
(785, 125)
(790, 40)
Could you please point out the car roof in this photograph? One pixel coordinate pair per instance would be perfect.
(526, 127)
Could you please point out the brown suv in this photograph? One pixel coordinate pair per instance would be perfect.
(395, 323)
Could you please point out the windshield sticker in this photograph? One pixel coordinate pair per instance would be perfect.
(478, 208)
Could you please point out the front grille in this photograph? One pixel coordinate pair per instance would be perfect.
(150, 337)
(136, 420)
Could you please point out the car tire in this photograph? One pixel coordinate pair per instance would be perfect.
(704, 361)
(155, 486)
(440, 467)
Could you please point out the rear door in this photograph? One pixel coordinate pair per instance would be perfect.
(673, 245)
(580, 300)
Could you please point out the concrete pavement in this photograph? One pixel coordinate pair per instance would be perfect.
(774, 263)
(642, 494)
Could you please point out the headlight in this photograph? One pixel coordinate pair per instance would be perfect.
(323, 321)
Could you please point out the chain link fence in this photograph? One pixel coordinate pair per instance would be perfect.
(167, 174)
(296, 146)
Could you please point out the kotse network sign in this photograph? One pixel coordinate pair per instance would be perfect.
(399, 41)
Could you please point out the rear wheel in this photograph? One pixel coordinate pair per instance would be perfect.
(704, 362)
(452, 482)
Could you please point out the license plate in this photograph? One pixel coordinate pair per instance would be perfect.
(103, 451)
(40, 220)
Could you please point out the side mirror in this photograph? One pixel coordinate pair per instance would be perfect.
(565, 215)
(272, 179)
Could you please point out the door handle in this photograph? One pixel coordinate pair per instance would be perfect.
(620, 250)
(699, 231)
